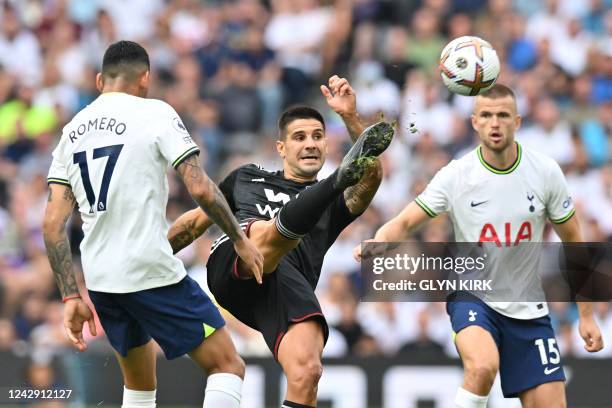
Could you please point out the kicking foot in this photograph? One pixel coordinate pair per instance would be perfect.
(371, 143)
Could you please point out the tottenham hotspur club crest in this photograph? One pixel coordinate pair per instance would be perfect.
(530, 197)
(472, 314)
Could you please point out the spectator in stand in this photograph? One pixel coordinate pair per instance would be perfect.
(20, 52)
(549, 134)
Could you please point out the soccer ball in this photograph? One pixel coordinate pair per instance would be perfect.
(469, 65)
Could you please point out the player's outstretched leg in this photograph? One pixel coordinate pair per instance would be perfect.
(224, 368)
(299, 354)
(299, 216)
(276, 237)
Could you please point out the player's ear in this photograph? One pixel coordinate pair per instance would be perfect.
(473, 120)
(517, 122)
(143, 84)
(99, 82)
(144, 80)
(280, 148)
(475, 112)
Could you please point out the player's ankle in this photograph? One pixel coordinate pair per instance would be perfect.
(138, 399)
(223, 390)
(467, 399)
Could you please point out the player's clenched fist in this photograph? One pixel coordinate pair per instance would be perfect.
(591, 335)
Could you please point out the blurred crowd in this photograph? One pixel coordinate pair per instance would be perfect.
(230, 67)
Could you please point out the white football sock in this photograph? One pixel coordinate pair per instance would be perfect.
(223, 390)
(138, 399)
(466, 399)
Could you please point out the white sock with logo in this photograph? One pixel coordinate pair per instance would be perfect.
(223, 390)
(138, 399)
(466, 399)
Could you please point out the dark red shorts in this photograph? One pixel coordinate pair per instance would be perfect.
(285, 297)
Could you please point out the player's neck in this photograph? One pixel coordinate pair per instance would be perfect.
(123, 87)
(297, 178)
(503, 159)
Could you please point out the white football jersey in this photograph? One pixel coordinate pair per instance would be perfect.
(114, 154)
(504, 208)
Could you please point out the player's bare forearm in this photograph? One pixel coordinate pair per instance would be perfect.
(208, 196)
(218, 210)
(392, 231)
(187, 228)
(585, 309)
(359, 196)
(401, 227)
(570, 231)
(60, 258)
(59, 208)
(353, 125)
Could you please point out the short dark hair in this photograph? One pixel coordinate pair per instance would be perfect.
(297, 112)
(125, 58)
(498, 91)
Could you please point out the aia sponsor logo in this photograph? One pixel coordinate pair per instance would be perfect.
(490, 234)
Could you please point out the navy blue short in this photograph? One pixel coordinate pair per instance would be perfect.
(528, 351)
(178, 317)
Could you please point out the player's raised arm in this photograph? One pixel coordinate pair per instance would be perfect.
(569, 231)
(341, 97)
(208, 196)
(59, 208)
(187, 228)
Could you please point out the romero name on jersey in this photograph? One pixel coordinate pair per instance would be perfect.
(128, 141)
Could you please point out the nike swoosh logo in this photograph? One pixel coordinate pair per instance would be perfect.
(473, 204)
(259, 180)
(548, 371)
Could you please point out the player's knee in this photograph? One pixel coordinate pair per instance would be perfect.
(234, 365)
(306, 375)
(481, 373)
(228, 362)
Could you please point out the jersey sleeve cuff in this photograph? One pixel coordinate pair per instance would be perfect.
(57, 180)
(425, 208)
(564, 219)
(191, 151)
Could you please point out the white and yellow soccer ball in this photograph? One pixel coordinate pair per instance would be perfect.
(469, 65)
